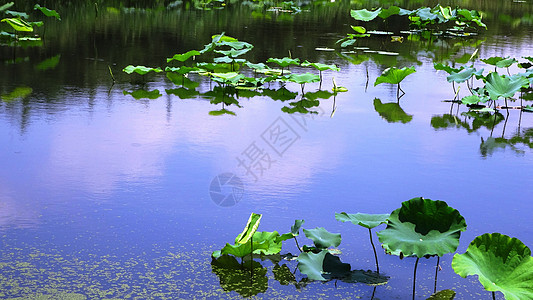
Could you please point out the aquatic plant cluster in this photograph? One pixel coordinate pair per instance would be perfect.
(23, 29)
(419, 228)
(234, 82)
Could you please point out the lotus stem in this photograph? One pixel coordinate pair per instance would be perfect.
(493, 296)
(373, 293)
(374, 248)
(436, 272)
(297, 244)
(414, 278)
(111, 72)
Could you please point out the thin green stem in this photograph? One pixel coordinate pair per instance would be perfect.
(374, 248)
(414, 278)
(436, 272)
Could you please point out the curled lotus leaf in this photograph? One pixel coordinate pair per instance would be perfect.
(364, 14)
(394, 75)
(422, 227)
(501, 263)
(323, 238)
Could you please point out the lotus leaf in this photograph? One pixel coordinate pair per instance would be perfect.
(17, 14)
(426, 14)
(464, 74)
(504, 86)
(18, 24)
(141, 70)
(422, 227)
(387, 12)
(233, 52)
(6, 6)
(502, 264)
(394, 75)
(47, 12)
(284, 62)
(185, 56)
(323, 238)
(365, 15)
(236, 45)
(311, 264)
(320, 67)
(392, 112)
(446, 68)
(249, 229)
(304, 78)
(366, 220)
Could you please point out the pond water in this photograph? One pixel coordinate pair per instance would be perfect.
(103, 195)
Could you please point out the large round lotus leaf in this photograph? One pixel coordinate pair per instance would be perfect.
(366, 220)
(502, 264)
(394, 75)
(422, 227)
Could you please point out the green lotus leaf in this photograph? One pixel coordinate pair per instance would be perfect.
(422, 227)
(295, 229)
(387, 12)
(141, 70)
(359, 29)
(446, 68)
(258, 66)
(501, 263)
(443, 295)
(472, 99)
(472, 16)
(248, 280)
(249, 229)
(320, 67)
(426, 14)
(266, 243)
(236, 44)
(304, 78)
(311, 264)
(366, 220)
(392, 112)
(323, 238)
(394, 75)
(233, 52)
(364, 15)
(528, 108)
(144, 94)
(447, 12)
(17, 14)
(47, 12)
(6, 6)
(504, 86)
(185, 56)
(284, 62)
(182, 70)
(18, 24)
(464, 74)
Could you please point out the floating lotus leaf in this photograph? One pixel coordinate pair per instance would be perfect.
(501, 263)
(504, 86)
(18, 24)
(366, 220)
(248, 280)
(249, 229)
(422, 227)
(364, 15)
(392, 112)
(472, 99)
(47, 12)
(464, 74)
(141, 70)
(443, 295)
(394, 75)
(323, 238)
